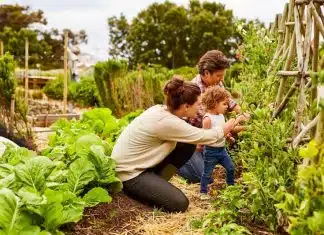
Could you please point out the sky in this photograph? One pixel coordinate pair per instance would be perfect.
(91, 15)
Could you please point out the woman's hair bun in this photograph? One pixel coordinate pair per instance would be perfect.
(180, 92)
(175, 86)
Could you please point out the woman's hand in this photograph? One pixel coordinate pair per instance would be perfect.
(199, 148)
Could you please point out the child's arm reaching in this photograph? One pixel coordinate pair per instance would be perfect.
(206, 124)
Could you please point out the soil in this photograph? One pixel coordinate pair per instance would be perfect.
(117, 217)
(124, 215)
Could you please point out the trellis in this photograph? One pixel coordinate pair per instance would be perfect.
(299, 28)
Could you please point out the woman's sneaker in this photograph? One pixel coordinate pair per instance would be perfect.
(204, 196)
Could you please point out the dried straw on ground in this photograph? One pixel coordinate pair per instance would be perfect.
(160, 223)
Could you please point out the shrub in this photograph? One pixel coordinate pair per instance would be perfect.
(85, 92)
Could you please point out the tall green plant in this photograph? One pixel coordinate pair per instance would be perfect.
(7, 80)
(8, 86)
(105, 74)
(305, 205)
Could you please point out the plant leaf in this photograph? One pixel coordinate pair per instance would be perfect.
(95, 196)
(81, 172)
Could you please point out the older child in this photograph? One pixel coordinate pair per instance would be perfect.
(216, 100)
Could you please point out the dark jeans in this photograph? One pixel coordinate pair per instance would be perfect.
(212, 157)
(152, 186)
(193, 168)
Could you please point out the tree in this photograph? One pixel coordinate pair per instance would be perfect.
(211, 27)
(118, 30)
(172, 35)
(18, 17)
(146, 39)
(45, 47)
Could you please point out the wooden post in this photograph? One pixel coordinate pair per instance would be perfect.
(315, 64)
(285, 99)
(282, 27)
(290, 15)
(306, 129)
(317, 18)
(305, 59)
(140, 84)
(316, 47)
(319, 136)
(291, 53)
(26, 69)
(280, 22)
(299, 40)
(1, 48)
(65, 91)
(12, 115)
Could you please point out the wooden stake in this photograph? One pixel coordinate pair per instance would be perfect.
(65, 91)
(315, 65)
(306, 129)
(319, 136)
(308, 40)
(12, 115)
(288, 29)
(140, 84)
(26, 70)
(285, 99)
(283, 26)
(317, 19)
(301, 2)
(305, 59)
(275, 59)
(292, 48)
(291, 73)
(299, 40)
(316, 47)
(1, 48)
(319, 11)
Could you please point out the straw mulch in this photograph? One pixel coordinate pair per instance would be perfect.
(160, 223)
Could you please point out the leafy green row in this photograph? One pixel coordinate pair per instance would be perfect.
(38, 194)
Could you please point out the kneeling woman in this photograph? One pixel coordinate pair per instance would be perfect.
(158, 142)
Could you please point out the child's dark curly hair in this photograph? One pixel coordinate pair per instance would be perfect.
(214, 95)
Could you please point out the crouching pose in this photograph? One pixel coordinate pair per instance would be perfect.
(158, 142)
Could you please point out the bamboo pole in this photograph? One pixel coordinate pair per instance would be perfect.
(319, 11)
(317, 19)
(315, 64)
(288, 30)
(65, 91)
(282, 25)
(292, 48)
(26, 69)
(292, 73)
(308, 40)
(306, 129)
(277, 26)
(301, 2)
(305, 59)
(285, 99)
(299, 41)
(281, 48)
(301, 19)
(271, 28)
(319, 135)
(275, 58)
(292, 23)
(315, 47)
(1, 48)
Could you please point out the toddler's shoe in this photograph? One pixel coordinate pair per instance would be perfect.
(204, 196)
